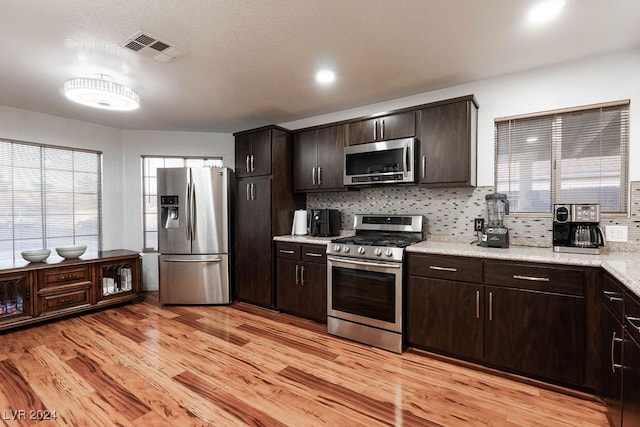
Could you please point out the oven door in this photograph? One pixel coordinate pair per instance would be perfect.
(365, 292)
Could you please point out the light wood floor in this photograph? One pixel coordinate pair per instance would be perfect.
(147, 365)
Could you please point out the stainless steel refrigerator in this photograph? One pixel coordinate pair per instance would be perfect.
(193, 235)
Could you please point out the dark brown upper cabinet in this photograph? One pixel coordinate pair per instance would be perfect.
(253, 153)
(448, 146)
(318, 159)
(393, 126)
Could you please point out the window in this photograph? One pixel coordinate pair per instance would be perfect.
(50, 196)
(150, 164)
(569, 156)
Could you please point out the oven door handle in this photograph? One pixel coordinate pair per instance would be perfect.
(364, 263)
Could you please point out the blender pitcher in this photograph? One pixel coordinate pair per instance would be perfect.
(497, 208)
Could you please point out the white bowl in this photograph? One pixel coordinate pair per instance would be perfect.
(71, 251)
(36, 255)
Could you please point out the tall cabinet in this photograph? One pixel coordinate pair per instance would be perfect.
(263, 209)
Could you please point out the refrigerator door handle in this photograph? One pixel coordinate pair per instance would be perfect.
(194, 260)
(188, 209)
(193, 218)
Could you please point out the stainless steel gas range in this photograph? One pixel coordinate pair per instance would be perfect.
(365, 279)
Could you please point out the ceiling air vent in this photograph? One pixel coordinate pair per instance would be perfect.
(149, 45)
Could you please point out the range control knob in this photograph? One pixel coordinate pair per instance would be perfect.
(388, 252)
(345, 249)
(336, 248)
(361, 250)
(377, 251)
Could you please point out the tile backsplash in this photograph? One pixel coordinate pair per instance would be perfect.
(449, 213)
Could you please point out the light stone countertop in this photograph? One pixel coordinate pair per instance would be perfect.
(624, 266)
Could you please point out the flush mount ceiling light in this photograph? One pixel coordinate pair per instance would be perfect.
(101, 92)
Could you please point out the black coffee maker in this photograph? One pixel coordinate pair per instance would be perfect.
(576, 228)
(324, 222)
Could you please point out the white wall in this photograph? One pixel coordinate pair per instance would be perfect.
(601, 79)
(158, 143)
(45, 129)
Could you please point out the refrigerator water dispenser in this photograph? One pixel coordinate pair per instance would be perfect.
(169, 211)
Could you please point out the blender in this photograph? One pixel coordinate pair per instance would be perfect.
(494, 233)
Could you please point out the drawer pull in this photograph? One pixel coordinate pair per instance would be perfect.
(65, 300)
(614, 365)
(435, 267)
(286, 251)
(313, 254)
(531, 278)
(611, 296)
(631, 321)
(69, 277)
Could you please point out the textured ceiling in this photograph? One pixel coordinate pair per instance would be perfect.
(252, 62)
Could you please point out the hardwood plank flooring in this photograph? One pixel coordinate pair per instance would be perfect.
(146, 364)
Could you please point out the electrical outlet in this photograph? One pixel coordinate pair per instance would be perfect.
(616, 233)
(478, 224)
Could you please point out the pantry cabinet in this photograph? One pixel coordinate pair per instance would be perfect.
(36, 292)
(301, 277)
(264, 206)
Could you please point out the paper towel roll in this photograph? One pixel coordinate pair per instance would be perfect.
(299, 226)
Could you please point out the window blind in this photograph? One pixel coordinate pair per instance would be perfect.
(570, 156)
(150, 165)
(50, 196)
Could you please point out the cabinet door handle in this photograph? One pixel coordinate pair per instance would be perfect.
(631, 321)
(302, 274)
(252, 165)
(477, 304)
(614, 365)
(248, 185)
(490, 305)
(424, 167)
(312, 254)
(319, 175)
(297, 274)
(253, 191)
(313, 175)
(287, 251)
(375, 130)
(531, 278)
(435, 267)
(382, 129)
(611, 296)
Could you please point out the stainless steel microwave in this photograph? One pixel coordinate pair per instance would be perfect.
(384, 162)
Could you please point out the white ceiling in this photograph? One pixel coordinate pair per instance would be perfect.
(252, 62)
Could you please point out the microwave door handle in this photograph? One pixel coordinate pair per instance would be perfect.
(405, 163)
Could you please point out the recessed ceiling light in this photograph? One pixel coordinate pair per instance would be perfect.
(545, 11)
(325, 76)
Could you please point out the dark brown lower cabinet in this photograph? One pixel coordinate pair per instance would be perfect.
(631, 381)
(301, 280)
(448, 317)
(536, 333)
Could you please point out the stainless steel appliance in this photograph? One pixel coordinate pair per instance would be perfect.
(385, 162)
(494, 233)
(576, 228)
(193, 235)
(324, 222)
(365, 279)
